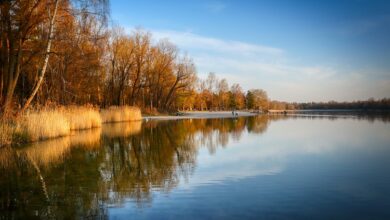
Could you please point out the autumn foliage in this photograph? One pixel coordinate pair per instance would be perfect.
(61, 51)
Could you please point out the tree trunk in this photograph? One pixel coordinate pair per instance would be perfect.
(46, 60)
(170, 93)
(13, 76)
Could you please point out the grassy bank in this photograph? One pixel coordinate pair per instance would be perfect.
(35, 125)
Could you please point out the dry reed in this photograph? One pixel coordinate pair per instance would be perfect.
(121, 113)
(57, 122)
(6, 132)
(34, 126)
(82, 117)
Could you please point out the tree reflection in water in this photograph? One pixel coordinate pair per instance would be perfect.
(80, 175)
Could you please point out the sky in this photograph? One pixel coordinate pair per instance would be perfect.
(298, 51)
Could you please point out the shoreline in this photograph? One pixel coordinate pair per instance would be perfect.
(297, 112)
(201, 115)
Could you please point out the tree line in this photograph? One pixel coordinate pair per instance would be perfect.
(364, 105)
(64, 52)
(370, 104)
(213, 93)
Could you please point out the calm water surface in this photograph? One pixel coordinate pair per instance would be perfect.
(279, 167)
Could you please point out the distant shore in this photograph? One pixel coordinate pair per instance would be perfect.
(201, 114)
(229, 114)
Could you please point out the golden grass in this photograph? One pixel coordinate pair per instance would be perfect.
(58, 122)
(121, 113)
(34, 126)
(6, 131)
(82, 117)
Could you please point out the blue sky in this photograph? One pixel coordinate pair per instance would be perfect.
(295, 50)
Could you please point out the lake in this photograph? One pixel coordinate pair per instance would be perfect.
(265, 167)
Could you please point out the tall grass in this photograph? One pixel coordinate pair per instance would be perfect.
(121, 113)
(35, 125)
(6, 132)
(82, 117)
(41, 125)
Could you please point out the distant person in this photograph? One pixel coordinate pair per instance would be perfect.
(233, 112)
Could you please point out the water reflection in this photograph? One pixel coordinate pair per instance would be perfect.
(86, 173)
(88, 170)
(123, 129)
(334, 115)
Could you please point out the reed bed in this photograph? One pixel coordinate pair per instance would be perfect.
(82, 117)
(6, 132)
(36, 125)
(41, 125)
(120, 114)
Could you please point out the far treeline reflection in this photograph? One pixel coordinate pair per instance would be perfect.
(87, 170)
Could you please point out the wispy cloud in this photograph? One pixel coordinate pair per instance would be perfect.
(273, 69)
(190, 40)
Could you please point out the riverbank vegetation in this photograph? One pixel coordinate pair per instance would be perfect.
(35, 125)
(120, 114)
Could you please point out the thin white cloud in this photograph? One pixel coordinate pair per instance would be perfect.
(272, 69)
(188, 40)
